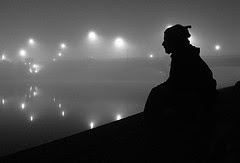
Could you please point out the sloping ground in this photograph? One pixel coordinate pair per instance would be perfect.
(124, 140)
(119, 140)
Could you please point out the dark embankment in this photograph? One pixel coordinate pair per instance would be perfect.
(124, 140)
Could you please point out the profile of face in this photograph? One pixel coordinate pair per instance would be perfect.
(168, 44)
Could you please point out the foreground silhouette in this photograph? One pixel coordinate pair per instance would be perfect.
(179, 112)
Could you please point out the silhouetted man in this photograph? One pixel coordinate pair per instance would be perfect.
(178, 111)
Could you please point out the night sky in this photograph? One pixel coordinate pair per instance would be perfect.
(140, 22)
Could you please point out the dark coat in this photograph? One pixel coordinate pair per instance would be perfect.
(189, 72)
(189, 90)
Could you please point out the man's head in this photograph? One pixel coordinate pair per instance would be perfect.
(175, 37)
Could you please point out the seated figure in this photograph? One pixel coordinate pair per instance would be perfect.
(179, 111)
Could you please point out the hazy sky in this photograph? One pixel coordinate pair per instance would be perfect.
(140, 22)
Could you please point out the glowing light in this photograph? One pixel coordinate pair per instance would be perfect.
(217, 47)
(3, 57)
(151, 55)
(59, 105)
(30, 70)
(119, 42)
(31, 42)
(91, 125)
(54, 59)
(3, 101)
(22, 52)
(31, 118)
(92, 36)
(54, 99)
(23, 106)
(118, 117)
(168, 26)
(63, 46)
(35, 93)
(59, 54)
(30, 89)
(63, 113)
(36, 71)
(35, 66)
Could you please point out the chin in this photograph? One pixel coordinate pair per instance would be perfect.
(168, 51)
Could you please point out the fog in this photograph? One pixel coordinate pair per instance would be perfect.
(65, 96)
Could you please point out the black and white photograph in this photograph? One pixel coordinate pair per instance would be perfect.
(120, 81)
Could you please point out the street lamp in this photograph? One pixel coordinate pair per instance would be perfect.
(31, 42)
(22, 52)
(151, 55)
(92, 36)
(217, 48)
(168, 26)
(63, 46)
(120, 43)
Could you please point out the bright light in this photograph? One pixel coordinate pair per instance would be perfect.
(3, 101)
(35, 66)
(92, 36)
(54, 59)
(217, 47)
(168, 26)
(63, 113)
(63, 46)
(151, 55)
(118, 117)
(22, 52)
(3, 57)
(23, 106)
(119, 42)
(30, 89)
(30, 70)
(91, 125)
(35, 93)
(31, 42)
(31, 118)
(59, 105)
(59, 54)
(54, 99)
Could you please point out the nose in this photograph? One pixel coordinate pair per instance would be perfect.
(163, 43)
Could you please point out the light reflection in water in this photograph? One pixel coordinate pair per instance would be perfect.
(63, 111)
(91, 125)
(35, 93)
(23, 105)
(3, 101)
(118, 117)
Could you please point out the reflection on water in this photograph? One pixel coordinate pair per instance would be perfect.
(35, 114)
